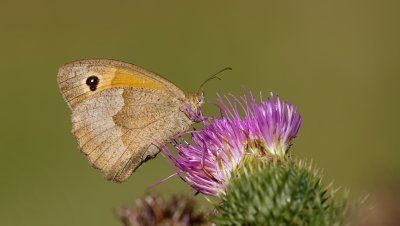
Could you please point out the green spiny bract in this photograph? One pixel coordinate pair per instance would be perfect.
(278, 193)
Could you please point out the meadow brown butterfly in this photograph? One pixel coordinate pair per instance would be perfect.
(121, 112)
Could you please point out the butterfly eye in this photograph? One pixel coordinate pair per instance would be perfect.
(201, 98)
(92, 82)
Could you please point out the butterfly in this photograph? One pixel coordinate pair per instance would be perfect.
(121, 113)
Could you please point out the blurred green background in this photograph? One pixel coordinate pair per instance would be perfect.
(338, 61)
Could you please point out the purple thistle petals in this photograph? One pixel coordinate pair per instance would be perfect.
(217, 150)
(208, 162)
(275, 123)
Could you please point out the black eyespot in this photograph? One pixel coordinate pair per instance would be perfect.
(92, 82)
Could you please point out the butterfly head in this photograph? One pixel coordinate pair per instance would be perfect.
(192, 107)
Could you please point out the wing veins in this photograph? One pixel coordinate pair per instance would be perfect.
(127, 147)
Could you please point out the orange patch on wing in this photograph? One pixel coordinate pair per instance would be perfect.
(119, 78)
(122, 78)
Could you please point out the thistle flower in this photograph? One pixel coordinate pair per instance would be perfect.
(267, 129)
(154, 210)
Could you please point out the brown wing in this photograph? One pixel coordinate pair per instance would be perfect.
(117, 120)
(118, 128)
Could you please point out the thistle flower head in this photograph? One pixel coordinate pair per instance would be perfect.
(267, 128)
(156, 210)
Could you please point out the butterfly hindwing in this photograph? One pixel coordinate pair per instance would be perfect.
(118, 135)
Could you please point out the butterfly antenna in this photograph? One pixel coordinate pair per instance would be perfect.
(214, 76)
